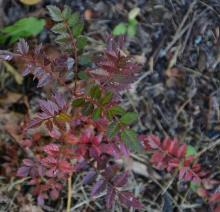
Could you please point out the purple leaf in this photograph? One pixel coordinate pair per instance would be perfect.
(98, 187)
(22, 47)
(123, 149)
(28, 162)
(52, 107)
(110, 197)
(27, 70)
(110, 171)
(43, 116)
(121, 179)
(129, 200)
(81, 165)
(89, 177)
(23, 171)
(45, 79)
(38, 72)
(59, 99)
(102, 161)
(48, 107)
(41, 170)
(40, 200)
(35, 122)
(5, 55)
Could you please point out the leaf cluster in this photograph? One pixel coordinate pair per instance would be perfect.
(68, 28)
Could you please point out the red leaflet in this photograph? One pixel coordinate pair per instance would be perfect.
(116, 70)
(215, 197)
(181, 152)
(54, 194)
(65, 167)
(202, 192)
(52, 149)
(159, 160)
(150, 142)
(129, 200)
(121, 179)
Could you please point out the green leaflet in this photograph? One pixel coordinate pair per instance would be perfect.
(129, 118)
(129, 136)
(55, 13)
(112, 130)
(96, 113)
(120, 29)
(87, 109)
(190, 150)
(22, 28)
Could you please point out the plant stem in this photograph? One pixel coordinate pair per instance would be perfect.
(69, 193)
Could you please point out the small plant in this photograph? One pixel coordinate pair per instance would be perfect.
(88, 128)
(173, 157)
(22, 28)
(129, 28)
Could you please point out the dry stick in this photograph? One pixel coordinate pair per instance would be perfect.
(216, 143)
(170, 196)
(180, 32)
(185, 196)
(177, 36)
(69, 194)
(165, 189)
(210, 7)
(187, 36)
(86, 202)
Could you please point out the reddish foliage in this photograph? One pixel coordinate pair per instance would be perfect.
(170, 155)
(50, 109)
(116, 70)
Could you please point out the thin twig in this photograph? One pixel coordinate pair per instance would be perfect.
(69, 195)
(211, 146)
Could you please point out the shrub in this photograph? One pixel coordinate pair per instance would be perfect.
(88, 128)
